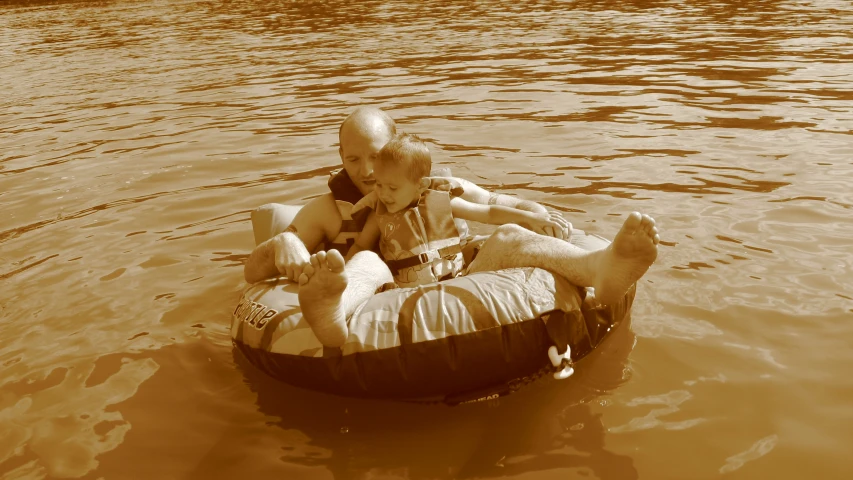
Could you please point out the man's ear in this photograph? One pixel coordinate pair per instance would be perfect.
(341, 152)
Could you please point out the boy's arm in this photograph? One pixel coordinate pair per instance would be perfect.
(476, 194)
(367, 238)
(500, 215)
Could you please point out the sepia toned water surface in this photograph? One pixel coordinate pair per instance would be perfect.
(136, 137)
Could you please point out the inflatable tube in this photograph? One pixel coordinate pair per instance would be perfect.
(467, 339)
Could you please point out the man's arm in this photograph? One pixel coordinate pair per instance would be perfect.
(476, 194)
(288, 252)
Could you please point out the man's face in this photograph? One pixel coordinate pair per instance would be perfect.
(395, 189)
(359, 149)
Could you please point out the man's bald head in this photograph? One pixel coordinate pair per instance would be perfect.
(364, 132)
(368, 121)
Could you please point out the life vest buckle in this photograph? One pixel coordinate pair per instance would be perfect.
(424, 257)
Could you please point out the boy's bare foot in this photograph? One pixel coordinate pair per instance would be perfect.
(321, 286)
(625, 260)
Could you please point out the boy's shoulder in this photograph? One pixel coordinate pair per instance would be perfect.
(369, 201)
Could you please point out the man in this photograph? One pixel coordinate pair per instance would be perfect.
(321, 221)
(330, 289)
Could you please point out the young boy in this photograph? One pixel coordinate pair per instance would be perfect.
(413, 215)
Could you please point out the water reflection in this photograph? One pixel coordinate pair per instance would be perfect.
(759, 449)
(549, 426)
(238, 422)
(60, 425)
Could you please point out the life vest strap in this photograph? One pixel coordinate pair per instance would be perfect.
(351, 226)
(342, 246)
(423, 258)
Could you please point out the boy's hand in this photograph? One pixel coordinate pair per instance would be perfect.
(291, 256)
(551, 224)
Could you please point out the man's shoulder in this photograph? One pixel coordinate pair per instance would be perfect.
(319, 219)
(324, 203)
(319, 212)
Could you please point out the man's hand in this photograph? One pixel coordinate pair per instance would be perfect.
(291, 256)
(551, 224)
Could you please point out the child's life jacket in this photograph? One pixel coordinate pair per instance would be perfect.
(420, 243)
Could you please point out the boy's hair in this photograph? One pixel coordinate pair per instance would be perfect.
(410, 152)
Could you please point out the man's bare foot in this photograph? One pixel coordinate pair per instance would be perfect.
(321, 286)
(625, 260)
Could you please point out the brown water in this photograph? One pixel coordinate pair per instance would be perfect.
(135, 137)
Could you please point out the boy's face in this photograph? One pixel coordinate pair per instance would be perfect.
(394, 188)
